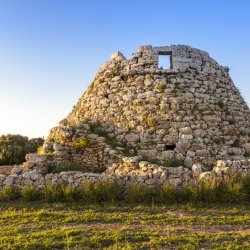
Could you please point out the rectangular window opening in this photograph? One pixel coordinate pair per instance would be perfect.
(165, 60)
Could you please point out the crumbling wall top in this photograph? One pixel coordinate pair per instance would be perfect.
(181, 58)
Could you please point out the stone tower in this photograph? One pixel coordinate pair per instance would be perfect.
(190, 111)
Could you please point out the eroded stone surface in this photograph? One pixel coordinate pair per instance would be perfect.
(129, 171)
(191, 112)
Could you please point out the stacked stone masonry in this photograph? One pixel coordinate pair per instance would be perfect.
(130, 170)
(191, 112)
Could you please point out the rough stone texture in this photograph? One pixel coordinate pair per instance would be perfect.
(130, 170)
(6, 170)
(35, 161)
(192, 112)
(228, 167)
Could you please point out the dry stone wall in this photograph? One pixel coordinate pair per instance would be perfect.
(192, 112)
(129, 171)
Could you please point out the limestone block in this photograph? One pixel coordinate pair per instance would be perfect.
(16, 170)
(186, 130)
(201, 152)
(186, 136)
(235, 151)
(168, 155)
(6, 170)
(197, 170)
(58, 147)
(132, 137)
(170, 139)
(206, 176)
(181, 147)
(150, 181)
(34, 175)
(143, 164)
(188, 161)
(118, 55)
(9, 180)
(2, 177)
(175, 181)
(247, 148)
(27, 182)
(134, 159)
(35, 157)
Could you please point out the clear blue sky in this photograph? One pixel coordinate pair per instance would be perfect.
(51, 49)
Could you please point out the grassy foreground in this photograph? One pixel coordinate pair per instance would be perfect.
(40, 225)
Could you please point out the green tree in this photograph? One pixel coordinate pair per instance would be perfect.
(13, 148)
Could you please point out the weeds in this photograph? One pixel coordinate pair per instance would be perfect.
(106, 191)
(96, 129)
(8, 193)
(138, 193)
(219, 140)
(53, 193)
(30, 193)
(71, 193)
(232, 189)
(162, 86)
(236, 143)
(80, 144)
(174, 163)
(221, 103)
(151, 121)
(66, 166)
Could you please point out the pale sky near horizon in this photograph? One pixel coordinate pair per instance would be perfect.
(51, 50)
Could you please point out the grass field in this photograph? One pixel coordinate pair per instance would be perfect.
(26, 225)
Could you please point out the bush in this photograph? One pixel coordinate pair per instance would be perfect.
(228, 190)
(13, 148)
(101, 191)
(165, 194)
(88, 193)
(53, 193)
(30, 193)
(8, 193)
(139, 193)
(71, 193)
(107, 191)
(246, 187)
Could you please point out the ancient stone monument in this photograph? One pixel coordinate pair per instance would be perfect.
(191, 111)
(138, 122)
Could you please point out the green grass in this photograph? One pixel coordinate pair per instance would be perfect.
(213, 215)
(108, 226)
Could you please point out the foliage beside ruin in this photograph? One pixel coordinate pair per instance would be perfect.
(13, 148)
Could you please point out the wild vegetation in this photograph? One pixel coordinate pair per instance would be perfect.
(234, 189)
(212, 215)
(72, 166)
(13, 148)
